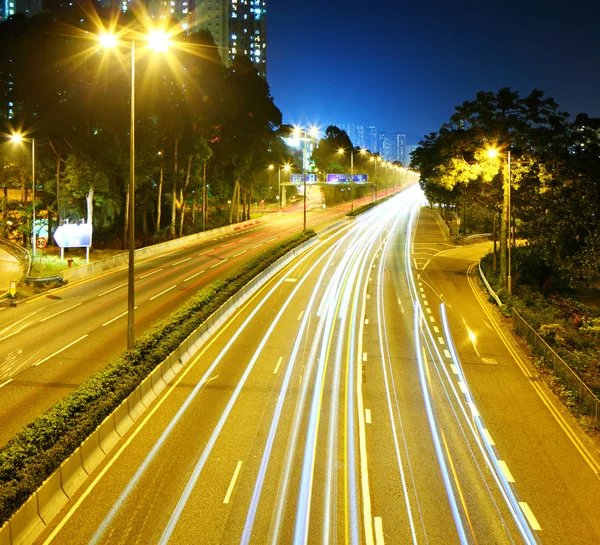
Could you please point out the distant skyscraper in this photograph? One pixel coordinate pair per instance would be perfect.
(356, 133)
(401, 148)
(372, 139)
(409, 149)
(12, 7)
(239, 28)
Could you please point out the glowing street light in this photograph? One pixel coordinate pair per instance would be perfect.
(314, 133)
(158, 41)
(17, 138)
(506, 255)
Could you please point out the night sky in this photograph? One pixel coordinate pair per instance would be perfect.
(404, 65)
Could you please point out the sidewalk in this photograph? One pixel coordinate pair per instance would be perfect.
(10, 269)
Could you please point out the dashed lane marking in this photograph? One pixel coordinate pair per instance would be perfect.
(193, 276)
(238, 467)
(368, 416)
(278, 364)
(506, 471)
(530, 516)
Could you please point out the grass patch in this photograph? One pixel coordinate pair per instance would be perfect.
(34, 453)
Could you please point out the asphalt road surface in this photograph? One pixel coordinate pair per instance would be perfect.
(353, 399)
(52, 343)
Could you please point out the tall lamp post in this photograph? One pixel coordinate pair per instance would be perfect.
(159, 42)
(286, 167)
(300, 132)
(17, 138)
(506, 256)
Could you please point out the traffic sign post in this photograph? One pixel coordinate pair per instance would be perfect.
(71, 235)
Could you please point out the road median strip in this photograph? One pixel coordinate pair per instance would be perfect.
(133, 380)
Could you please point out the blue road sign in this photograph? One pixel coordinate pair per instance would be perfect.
(360, 178)
(297, 178)
(73, 236)
(338, 178)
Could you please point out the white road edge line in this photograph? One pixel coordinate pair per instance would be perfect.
(162, 292)
(379, 539)
(530, 516)
(193, 276)
(278, 364)
(112, 289)
(61, 312)
(59, 351)
(150, 273)
(232, 483)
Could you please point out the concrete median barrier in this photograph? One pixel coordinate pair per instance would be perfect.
(26, 524)
(166, 369)
(135, 405)
(5, 534)
(51, 498)
(91, 453)
(146, 391)
(72, 474)
(123, 421)
(158, 384)
(107, 434)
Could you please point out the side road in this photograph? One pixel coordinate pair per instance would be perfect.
(546, 453)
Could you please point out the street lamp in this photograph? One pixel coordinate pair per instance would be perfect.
(314, 132)
(505, 264)
(18, 138)
(362, 151)
(158, 41)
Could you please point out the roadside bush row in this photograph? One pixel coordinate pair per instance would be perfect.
(368, 206)
(567, 325)
(34, 453)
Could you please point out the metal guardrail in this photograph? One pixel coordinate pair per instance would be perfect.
(20, 253)
(587, 402)
(488, 287)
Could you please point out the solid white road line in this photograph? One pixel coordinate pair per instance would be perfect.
(59, 351)
(113, 289)
(117, 317)
(150, 273)
(535, 525)
(193, 276)
(180, 262)
(379, 531)
(240, 253)
(278, 364)
(163, 292)
(232, 483)
(61, 312)
(506, 471)
(368, 416)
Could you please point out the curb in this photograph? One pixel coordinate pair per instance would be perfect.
(488, 287)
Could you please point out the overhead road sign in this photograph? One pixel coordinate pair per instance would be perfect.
(345, 178)
(297, 178)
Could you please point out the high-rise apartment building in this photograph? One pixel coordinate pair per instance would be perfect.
(356, 133)
(372, 139)
(393, 147)
(239, 28)
(11, 7)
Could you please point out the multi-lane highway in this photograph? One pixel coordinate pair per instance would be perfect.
(349, 401)
(51, 344)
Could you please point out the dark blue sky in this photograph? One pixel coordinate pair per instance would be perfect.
(404, 65)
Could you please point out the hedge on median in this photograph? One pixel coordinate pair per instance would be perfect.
(34, 453)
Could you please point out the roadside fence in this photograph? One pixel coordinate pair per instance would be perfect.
(587, 402)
